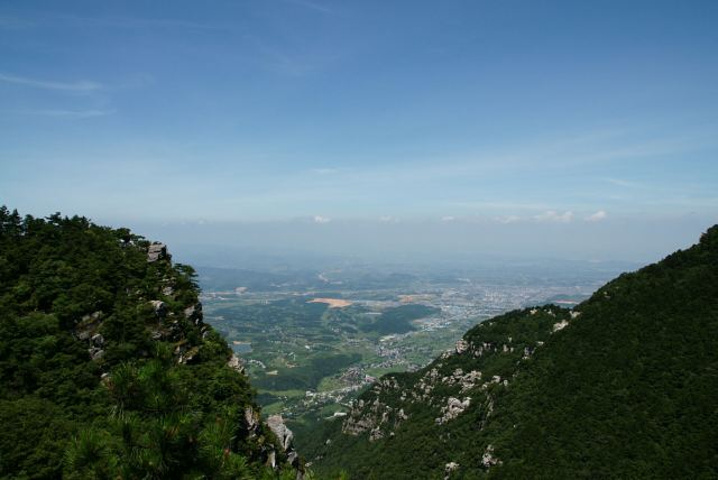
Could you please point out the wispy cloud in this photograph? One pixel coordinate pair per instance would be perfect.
(508, 219)
(554, 216)
(82, 86)
(495, 205)
(14, 23)
(619, 182)
(317, 7)
(76, 114)
(324, 171)
(129, 22)
(596, 217)
(558, 154)
(278, 60)
(321, 219)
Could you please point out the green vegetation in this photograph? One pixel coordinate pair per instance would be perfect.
(299, 346)
(96, 380)
(623, 386)
(398, 319)
(307, 377)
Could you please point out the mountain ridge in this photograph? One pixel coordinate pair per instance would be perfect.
(621, 386)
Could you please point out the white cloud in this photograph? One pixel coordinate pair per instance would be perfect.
(622, 183)
(324, 171)
(509, 219)
(320, 219)
(388, 219)
(127, 22)
(554, 216)
(597, 217)
(311, 5)
(448, 218)
(82, 86)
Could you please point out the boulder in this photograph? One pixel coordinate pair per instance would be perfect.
(449, 468)
(194, 313)
(235, 363)
(284, 434)
(157, 251)
(96, 353)
(252, 419)
(488, 459)
(461, 346)
(160, 308)
(87, 326)
(97, 340)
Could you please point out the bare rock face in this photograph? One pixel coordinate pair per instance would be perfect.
(488, 459)
(272, 459)
(97, 343)
(284, 434)
(449, 468)
(194, 313)
(560, 325)
(160, 308)
(376, 434)
(454, 407)
(97, 340)
(88, 325)
(461, 346)
(252, 419)
(157, 251)
(357, 423)
(96, 353)
(236, 364)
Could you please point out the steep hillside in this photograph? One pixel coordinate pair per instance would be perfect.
(622, 386)
(107, 369)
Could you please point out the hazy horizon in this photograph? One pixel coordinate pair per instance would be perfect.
(423, 242)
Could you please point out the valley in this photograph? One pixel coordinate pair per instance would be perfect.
(312, 341)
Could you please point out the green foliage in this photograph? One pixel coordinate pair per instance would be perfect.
(307, 377)
(397, 320)
(96, 381)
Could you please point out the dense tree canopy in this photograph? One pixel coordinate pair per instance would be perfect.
(106, 368)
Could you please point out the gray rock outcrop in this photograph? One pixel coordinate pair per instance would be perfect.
(283, 433)
(157, 251)
(160, 308)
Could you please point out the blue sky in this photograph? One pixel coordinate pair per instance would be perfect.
(592, 120)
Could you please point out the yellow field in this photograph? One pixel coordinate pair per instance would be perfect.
(332, 302)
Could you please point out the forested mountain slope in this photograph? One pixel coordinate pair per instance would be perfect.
(107, 369)
(625, 385)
